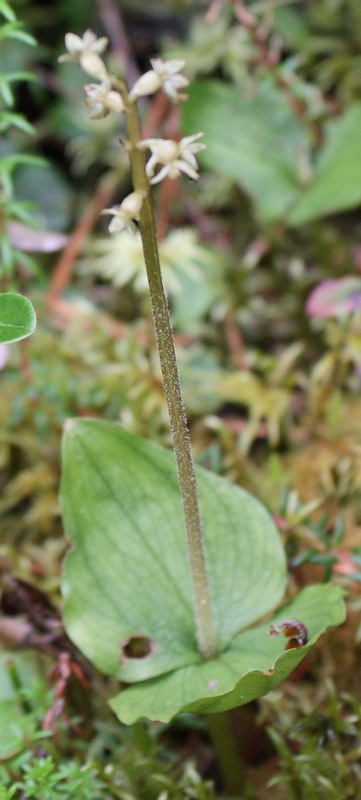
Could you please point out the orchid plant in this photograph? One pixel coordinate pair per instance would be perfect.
(175, 573)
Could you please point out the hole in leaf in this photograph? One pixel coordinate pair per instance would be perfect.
(295, 631)
(137, 646)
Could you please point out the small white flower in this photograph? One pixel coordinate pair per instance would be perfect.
(125, 213)
(102, 99)
(76, 45)
(164, 75)
(173, 157)
(84, 50)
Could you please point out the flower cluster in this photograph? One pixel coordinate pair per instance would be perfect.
(85, 51)
(172, 158)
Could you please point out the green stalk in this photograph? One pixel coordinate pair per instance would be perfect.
(178, 422)
(228, 756)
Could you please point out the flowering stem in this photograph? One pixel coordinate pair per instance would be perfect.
(228, 754)
(181, 441)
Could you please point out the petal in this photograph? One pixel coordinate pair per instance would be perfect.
(147, 144)
(114, 101)
(93, 90)
(73, 43)
(117, 224)
(100, 45)
(188, 140)
(157, 64)
(178, 81)
(131, 205)
(190, 159)
(88, 39)
(161, 174)
(170, 92)
(173, 65)
(66, 57)
(151, 165)
(113, 210)
(188, 170)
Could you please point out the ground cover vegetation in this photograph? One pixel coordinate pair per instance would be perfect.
(259, 245)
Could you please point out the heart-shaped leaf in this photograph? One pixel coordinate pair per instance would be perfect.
(128, 575)
(17, 317)
(126, 583)
(252, 665)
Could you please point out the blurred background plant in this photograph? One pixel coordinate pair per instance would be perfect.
(262, 261)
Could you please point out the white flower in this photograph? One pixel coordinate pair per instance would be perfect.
(102, 99)
(76, 45)
(84, 50)
(164, 75)
(125, 213)
(173, 157)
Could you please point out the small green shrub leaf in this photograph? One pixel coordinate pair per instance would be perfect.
(17, 317)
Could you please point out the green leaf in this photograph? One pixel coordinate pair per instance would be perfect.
(7, 11)
(8, 118)
(14, 30)
(21, 75)
(15, 724)
(6, 254)
(17, 317)
(6, 92)
(252, 665)
(52, 194)
(21, 211)
(337, 179)
(253, 137)
(128, 574)
(13, 161)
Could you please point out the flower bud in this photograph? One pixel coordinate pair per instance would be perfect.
(125, 213)
(131, 205)
(92, 64)
(148, 83)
